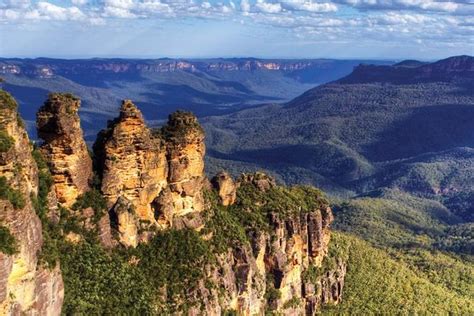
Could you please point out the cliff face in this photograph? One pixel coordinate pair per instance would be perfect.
(48, 68)
(133, 167)
(281, 269)
(64, 147)
(25, 286)
(409, 72)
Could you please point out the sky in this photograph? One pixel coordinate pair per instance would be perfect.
(371, 29)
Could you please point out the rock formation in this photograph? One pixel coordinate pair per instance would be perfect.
(26, 287)
(64, 147)
(158, 177)
(276, 271)
(185, 154)
(226, 187)
(153, 182)
(132, 163)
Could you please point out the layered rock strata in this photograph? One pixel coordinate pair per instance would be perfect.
(64, 147)
(277, 271)
(26, 287)
(151, 179)
(154, 180)
(185, 152)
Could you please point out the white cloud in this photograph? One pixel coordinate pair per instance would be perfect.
(381, 20)
(116, 12)
(79, 2)
(122, 4)
(308, 5)
(15, 4)
(450, 6)
(244, 6)
(48, 11)
(152, 6)
(267, 7)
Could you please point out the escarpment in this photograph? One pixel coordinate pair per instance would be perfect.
(26, 286)
(278, 266)
(64, 147)
(151, 234)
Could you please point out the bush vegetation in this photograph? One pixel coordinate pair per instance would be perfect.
(7, 101)
(377, 282)
(8, 193)
(6, 141)
(7, 241)
(93, 199)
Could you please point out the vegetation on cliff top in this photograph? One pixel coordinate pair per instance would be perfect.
(7, 101)
(93, 199)
(181, 124)
(230, 226)
(160, 275)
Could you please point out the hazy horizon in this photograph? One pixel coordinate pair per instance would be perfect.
(131, 57)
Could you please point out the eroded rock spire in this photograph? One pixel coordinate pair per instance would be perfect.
(64, 147)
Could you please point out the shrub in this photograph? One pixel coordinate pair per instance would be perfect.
(93, 199)
(7, 241)
(14, 196)
(7, 101)
(99, 283)
(6, 141)
(45, 181)
(223, 225)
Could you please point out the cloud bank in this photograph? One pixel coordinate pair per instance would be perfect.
(443, 22)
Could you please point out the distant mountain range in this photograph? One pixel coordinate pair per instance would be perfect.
(405, 127)
(159, 86)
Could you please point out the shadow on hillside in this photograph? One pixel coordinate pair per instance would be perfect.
(325, 159)
(427, 129)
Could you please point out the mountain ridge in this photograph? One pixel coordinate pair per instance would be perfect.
(451, 68)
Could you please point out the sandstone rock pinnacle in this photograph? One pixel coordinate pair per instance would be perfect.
(64, 147)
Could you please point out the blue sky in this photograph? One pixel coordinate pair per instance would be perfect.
(423, 29)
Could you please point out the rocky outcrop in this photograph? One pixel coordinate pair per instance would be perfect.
(132, 162)
(185, 155)
(64, 147)
(25, 286)
(151, 179)
(225, 186)
(281, 270)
